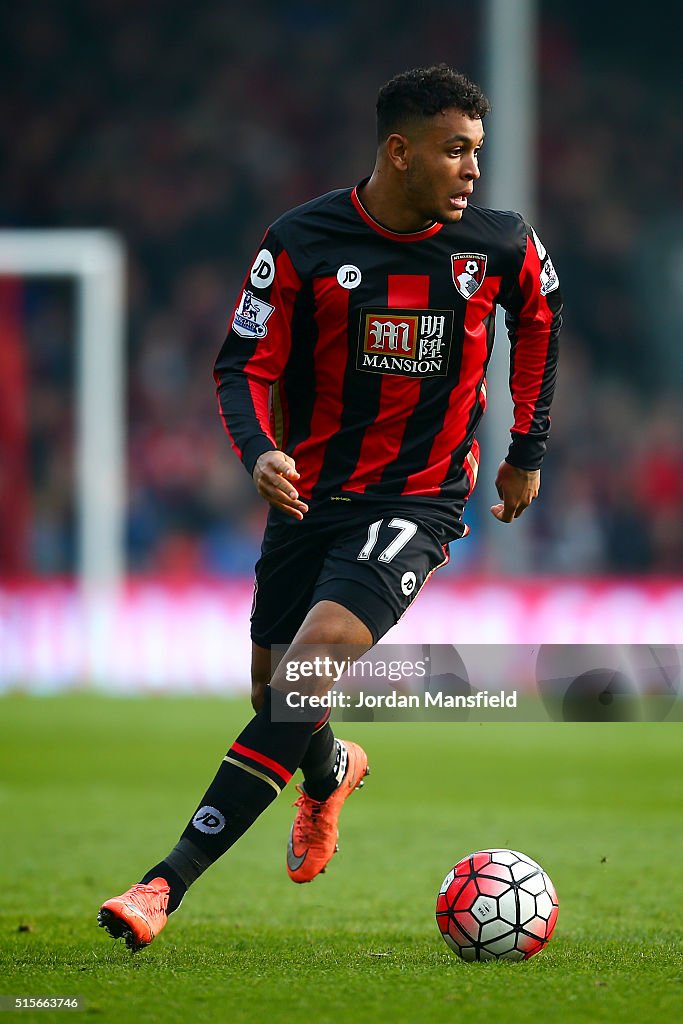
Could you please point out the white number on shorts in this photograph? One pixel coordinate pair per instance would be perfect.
(406, 531)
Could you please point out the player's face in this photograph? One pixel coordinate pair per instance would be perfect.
(442, 165)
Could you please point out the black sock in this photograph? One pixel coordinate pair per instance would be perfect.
(177, 884)
(320, 752)
(324, 764)
(254, 771)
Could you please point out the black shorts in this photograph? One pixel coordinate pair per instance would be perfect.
(370, 555)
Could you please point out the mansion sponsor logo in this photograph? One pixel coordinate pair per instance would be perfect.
(405, 342)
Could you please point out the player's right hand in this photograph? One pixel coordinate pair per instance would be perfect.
(273, 475)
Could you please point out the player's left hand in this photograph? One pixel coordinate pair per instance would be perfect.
(517, 488)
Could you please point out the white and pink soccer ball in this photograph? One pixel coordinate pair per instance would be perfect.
(497, 905)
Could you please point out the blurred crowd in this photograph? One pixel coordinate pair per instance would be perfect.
(189, 128)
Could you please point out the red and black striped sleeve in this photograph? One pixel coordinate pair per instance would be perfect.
(256, 350)
(533, 305)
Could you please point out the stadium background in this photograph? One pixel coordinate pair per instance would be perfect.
(187, 131)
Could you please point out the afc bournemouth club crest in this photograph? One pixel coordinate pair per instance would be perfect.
(469, 270)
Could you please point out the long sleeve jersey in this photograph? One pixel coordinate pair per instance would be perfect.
(362, 352)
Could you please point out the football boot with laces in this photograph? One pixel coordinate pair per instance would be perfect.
(138, 915)
(314, 834)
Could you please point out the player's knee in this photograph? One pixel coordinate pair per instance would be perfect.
(329, 624)
(258, 692)
(261, 672)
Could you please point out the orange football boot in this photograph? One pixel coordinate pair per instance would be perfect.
(313, 838)
(138, 915)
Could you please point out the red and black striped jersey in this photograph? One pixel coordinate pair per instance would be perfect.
(362, 352)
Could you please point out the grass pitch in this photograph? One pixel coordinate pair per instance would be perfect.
(95, 790)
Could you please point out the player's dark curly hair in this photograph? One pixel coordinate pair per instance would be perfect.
(423, 92)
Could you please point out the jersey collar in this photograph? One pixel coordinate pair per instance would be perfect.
(395, 236)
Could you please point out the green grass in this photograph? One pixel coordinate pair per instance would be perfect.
(93, 791)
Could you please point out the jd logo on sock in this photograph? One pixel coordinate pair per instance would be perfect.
(209, 819)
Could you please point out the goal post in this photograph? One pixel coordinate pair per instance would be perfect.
(511, 75)
(95, 259)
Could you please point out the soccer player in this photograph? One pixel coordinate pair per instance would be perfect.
(351, 383)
